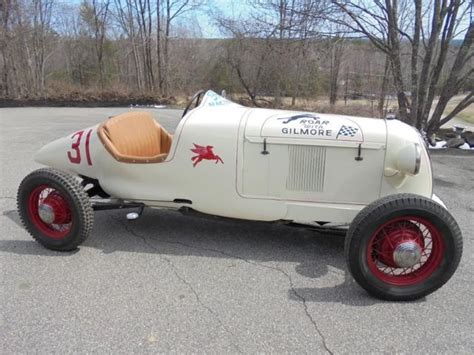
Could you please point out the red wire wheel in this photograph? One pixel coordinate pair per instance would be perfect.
(403, 247)
(55, 209)
(427, 249)
(50, 212)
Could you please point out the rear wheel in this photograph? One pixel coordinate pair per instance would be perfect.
(403, 247)
(55, 209)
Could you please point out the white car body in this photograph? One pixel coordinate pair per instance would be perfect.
(313, 170)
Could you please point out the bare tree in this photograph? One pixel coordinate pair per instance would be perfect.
(336, 52)
(42, 11)
(95, 14)
(124, 10)
(248, 58)
(455, 82)
(159, 56)
(5, 39)
(395, 27)
(275, 39)
(144, 15)
(26, 45)
(170, 10)
(281, 49)
(383, 87)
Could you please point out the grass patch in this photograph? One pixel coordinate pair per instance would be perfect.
(466, 115)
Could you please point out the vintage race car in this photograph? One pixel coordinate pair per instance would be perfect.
(258, 164)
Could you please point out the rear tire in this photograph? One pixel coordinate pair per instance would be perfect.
(403, 247)
(54, 209)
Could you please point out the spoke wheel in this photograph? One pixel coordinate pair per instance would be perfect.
(405, 251)
(50, 211)
(403, 247)
(55, 209)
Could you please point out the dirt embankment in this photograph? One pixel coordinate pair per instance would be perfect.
(88, 100)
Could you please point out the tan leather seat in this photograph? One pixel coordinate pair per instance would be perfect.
(135, 137)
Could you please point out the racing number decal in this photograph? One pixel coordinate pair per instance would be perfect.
(76, 158)
(74, 154)
(88, 153)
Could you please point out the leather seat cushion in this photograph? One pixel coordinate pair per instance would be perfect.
(135, 137)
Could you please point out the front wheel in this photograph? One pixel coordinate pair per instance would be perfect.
(55, 209)
(403, 247)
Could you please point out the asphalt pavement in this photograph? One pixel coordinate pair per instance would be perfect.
(170, 283)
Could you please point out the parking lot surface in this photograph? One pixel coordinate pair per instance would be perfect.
(170, 283)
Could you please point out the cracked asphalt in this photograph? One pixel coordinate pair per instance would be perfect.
(173, 283)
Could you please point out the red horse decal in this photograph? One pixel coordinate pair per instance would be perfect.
(204, 153)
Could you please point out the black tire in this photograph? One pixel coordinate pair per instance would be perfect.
(439, 266)
(79, 210)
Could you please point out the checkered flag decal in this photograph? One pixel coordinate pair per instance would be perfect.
(347, 131)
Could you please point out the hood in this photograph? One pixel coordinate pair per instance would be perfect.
(325, 128)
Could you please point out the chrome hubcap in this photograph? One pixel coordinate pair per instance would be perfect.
(46, 213)
(407, 254)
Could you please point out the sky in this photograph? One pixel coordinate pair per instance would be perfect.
(241, 8)
(204, 16)
(203, 19)
(228, 8)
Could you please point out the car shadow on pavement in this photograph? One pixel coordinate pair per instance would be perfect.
(264, 245)
(26, 247)
(30, 247)
(13, 216)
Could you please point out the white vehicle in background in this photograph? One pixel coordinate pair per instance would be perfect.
(258, 164)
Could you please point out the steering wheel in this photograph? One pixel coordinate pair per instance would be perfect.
(197, 97)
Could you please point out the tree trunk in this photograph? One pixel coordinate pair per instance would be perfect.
(383, 87)
(394, 54)
(158, 45)
(336, 53)
(414, 62)
(452, 85)
(426, 70)
(445, 43)
(166, 48)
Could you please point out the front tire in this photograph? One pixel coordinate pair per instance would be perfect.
(403, 247)
(55, 209)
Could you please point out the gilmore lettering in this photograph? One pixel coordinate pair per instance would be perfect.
(307, 131)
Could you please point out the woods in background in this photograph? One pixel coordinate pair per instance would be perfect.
(418, 53)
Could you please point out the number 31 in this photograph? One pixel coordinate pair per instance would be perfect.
(74, 154)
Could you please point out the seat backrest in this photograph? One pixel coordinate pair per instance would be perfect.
(134, 134)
